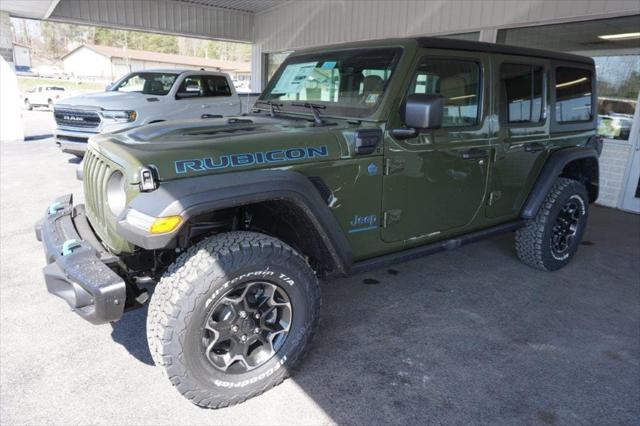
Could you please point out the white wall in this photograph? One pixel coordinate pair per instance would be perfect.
(85, 62)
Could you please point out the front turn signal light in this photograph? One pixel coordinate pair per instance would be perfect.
(162, 225)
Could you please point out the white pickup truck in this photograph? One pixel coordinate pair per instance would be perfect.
(140, 98)
(43, 96)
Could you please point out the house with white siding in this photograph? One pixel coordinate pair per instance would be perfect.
(110, 63)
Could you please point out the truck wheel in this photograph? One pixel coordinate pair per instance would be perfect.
(551, 239)
(50, 104)
(27, 105)
(232, 316)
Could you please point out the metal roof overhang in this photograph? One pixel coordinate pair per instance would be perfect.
(231, 20)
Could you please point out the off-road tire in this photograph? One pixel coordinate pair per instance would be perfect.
(534, 240)
(197, 279)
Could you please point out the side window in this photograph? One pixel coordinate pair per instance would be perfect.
(458, 82)
(573, 94)
(216, 86)
(521, 89)
(192, 85)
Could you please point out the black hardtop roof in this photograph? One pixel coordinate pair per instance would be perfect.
(478, 46)
(453, 44)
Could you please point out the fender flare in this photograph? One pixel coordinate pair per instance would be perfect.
(550, 172)
(192, 196)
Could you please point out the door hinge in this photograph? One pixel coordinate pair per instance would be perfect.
(391, 217)
(393, 165)
(494, 196)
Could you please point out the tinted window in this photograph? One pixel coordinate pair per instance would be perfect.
(457, 82)
(573, 94)
(216, 86)
(205, 86)
(521, 87)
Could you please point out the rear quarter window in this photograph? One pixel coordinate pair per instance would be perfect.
(573, 95)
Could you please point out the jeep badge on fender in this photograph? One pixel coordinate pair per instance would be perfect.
(353, 157)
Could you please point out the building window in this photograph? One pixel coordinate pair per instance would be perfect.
(573, 94)
(521, 86)
(618, 80)
(459, 84)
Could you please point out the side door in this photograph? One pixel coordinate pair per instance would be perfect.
(202, 95)
(522, 131)
(435, 183)
(221, 95)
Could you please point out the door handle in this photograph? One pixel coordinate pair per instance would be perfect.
(474, 154)
(534, 147)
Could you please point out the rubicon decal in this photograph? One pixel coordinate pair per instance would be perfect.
(251, 158)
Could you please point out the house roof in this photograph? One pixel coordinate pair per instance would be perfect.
(169, 58)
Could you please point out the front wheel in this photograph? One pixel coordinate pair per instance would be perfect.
(27, 105)
(551, 239)
(232, 316)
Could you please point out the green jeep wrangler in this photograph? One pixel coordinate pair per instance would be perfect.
(356, 156)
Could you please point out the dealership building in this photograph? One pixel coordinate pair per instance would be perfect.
(607, 30)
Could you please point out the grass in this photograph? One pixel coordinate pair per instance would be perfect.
(28, 83)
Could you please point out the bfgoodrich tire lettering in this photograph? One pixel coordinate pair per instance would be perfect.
(200, 278)
(550, 240)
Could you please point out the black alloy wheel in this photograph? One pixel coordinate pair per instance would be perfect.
(247, 326)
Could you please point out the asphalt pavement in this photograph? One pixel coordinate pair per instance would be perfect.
(465, 336)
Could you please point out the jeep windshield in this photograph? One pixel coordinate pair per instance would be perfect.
(147, 83)
(345, 83)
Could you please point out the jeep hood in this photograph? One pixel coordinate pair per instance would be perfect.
(106, 100)
(199, 147)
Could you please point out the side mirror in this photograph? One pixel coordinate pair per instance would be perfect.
(108, 87)
(423, 111)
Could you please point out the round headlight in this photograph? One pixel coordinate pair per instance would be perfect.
(116, 194)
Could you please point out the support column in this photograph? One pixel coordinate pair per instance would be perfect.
(256, 68)
(6, 40)
(10, 119)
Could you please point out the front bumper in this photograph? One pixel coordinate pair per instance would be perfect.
(77, 265)
(72, 141)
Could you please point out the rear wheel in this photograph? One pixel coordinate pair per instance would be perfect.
(27, 105)
(50, 104)
(232, 316)
(551, 239)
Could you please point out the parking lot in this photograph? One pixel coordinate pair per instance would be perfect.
(466, 336)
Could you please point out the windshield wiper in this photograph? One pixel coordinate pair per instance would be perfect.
(314, 109)
(272, 106)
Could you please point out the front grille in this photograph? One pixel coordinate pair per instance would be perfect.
(95, 175)
(76, 118)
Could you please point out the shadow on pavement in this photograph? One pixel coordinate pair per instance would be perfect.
(131, 332)
(474, 336)
(37, 137)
